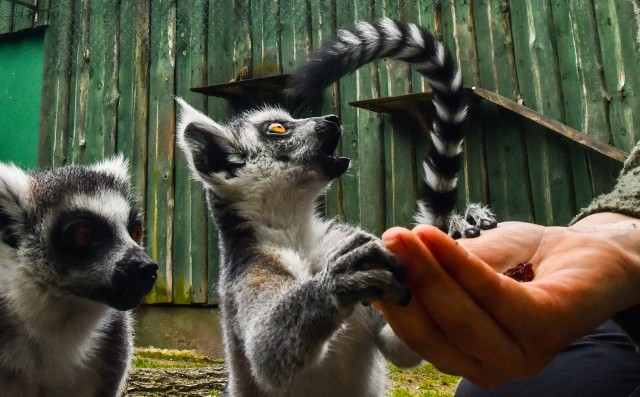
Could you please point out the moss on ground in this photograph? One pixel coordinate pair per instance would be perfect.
(150, 357)
(423, 381)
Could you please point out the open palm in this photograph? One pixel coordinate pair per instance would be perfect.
(468, 319)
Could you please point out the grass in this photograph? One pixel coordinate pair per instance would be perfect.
(150, 357)
(423, 381)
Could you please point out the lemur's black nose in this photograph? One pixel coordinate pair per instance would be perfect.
(148, 269)
(332, 118)
(139, 266)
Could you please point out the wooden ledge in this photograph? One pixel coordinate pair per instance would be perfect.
(419, 105)
(245, 88)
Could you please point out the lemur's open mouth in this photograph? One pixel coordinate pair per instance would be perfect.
(332, 166)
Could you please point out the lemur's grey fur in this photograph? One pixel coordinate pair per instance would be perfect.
(386, 38)
(69, 272)
(291, 283)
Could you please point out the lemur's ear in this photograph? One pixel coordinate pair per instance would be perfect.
(206, 145)
(14, 194)
(117, 166)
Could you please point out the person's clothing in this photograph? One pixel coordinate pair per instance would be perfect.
(625, 196)
(603, 363)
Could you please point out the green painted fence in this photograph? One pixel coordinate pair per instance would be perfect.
(112, 68)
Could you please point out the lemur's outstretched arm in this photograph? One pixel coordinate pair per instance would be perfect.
(278, 342)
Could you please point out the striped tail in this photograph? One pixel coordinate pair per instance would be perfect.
(386, 38)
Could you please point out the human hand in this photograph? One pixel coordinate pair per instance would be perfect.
(470, 320)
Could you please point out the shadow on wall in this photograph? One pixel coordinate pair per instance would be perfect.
(180, 328)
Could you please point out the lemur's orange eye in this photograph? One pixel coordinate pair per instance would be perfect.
(136, 233)
(277, 128)
(82, 236)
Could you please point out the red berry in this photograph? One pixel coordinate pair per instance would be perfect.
(522, 272)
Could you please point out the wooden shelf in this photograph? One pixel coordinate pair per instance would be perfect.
(419, 106)
(249, 93)
(246, 88)
(396, 103)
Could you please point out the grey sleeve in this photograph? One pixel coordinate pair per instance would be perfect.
(625, 196)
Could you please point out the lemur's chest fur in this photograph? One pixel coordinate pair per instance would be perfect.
(48, 349)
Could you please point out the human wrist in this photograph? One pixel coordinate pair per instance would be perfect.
(620, 235)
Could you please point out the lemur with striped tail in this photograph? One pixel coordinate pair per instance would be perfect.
(367, 42)
(292, 284)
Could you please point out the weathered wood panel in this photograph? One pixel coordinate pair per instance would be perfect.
(15, 17)
(536, 64)
(190, 232)
(102, 97)
(112, 69)
(133, 85)
(507, 172)
(54, 117)
(160, 167)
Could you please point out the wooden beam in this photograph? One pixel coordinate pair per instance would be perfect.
(553, 125)
(423, 101)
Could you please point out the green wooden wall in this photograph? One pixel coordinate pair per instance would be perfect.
(18, 16)
(21, 59)
(113, 67)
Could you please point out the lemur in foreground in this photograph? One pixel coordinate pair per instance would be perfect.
(71, 268)
(291, 282)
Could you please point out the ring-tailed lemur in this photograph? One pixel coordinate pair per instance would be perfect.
(70, 269)
(386, 38)
(291, 283)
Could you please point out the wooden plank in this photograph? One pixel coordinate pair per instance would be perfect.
(54, 114)
(400, 162)
(7, 8)
(553, 125)
(475, 185)
(538, 76)
(43, 13)
(295, 33)
(426, 14)
(22, 17)
(322, 27)
(220, 62)
(189, 228)
(242, 37)
(617, 32)
(160, 166)
(103, 94)
(264, 37)
(133, 82)
(507, 172)
(81, 56)
(370, 143)
(584, 92)
(325, 19)
(426, 18)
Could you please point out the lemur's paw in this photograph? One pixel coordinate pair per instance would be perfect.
(363, 270)
(475, 219)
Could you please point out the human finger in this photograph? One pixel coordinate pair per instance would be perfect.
(523, 311)
(461, 320)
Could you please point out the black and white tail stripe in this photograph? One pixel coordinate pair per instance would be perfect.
(386, 38)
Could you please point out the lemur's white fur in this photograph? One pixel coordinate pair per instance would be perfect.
(292, 322)
(56, 339)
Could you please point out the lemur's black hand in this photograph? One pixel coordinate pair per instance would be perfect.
(363, 270)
